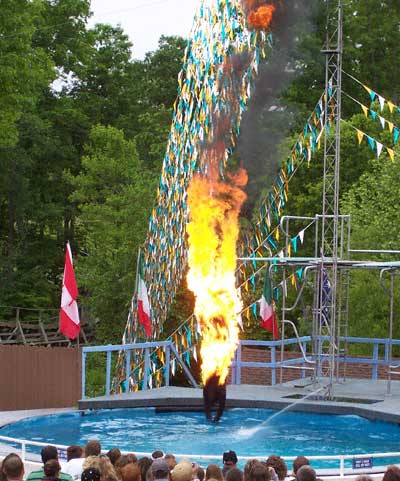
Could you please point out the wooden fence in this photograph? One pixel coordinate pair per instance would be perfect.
(33, 377)
(37, 328)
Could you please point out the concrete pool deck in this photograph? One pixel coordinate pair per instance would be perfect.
(363, 397)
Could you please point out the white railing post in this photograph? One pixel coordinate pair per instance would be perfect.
(23, 451)
(341, 469)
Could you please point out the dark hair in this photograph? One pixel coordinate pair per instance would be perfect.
(49, 452)
(299, 462)
(392, 474)
(114, 454)
(258, 472)
(52, 468)
(229, 456)
(12, 466)
(157, 454)
(144, 465)
(130, 472)
(279, 465)
(234, 474)
(170, 458)
(92, 448)
(214, 471)
(200, 473)
(74, 452)
(306, 473)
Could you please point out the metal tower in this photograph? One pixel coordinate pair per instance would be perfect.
(326, 314)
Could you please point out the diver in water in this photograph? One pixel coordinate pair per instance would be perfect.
(214, 394)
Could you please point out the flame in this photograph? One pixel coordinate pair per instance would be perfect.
(261, 18)
(213, 232)
(259, 15)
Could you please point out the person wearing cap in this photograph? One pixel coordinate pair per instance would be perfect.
(160, 469)
(230, 460)
(90, 474)
(182, 471)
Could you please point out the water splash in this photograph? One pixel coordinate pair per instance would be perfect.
(249, 432)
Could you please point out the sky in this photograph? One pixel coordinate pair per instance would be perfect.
(146, 20)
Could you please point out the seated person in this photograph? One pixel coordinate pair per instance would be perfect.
(47, 453)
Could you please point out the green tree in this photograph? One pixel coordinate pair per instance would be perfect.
(114, 195)
(372, 203)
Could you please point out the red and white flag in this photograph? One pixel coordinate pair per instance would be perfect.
(143, 303)
(69, 314)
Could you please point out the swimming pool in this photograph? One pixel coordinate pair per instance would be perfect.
(249, 432)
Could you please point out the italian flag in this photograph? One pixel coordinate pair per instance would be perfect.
(143, 303)
(267, 308)
(69, 314)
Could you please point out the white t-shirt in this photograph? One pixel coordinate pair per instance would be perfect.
(74, 468)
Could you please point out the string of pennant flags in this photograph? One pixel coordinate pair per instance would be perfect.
(374, 144)
(376, 96)
(369, 113)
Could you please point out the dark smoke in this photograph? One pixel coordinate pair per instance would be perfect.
(267, 121)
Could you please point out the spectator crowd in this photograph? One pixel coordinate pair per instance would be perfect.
(90, 464)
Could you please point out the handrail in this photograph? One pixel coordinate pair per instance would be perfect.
(340, 458)
(306, 359)
(237, 363)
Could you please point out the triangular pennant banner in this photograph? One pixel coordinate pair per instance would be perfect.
(371, 142)
(391, 153)
(378, 148)
(360, 136)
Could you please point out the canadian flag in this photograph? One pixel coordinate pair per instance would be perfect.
(69, 314)
(143, 303)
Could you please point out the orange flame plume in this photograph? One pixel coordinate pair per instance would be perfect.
(258, 16)
(213, 232)
(261, 18)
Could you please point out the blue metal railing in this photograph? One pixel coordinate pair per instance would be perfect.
(300, 362)
(147, 346)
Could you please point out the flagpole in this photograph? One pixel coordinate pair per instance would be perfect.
(137, 272)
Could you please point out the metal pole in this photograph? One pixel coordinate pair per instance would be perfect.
(391, 297)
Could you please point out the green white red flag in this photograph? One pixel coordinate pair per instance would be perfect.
(267, 308)
(69, 314)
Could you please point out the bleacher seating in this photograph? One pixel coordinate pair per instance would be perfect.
(33, 329)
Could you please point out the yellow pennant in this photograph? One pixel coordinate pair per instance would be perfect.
(365, 110)
(391, 106)
(360, 136)
(391, 126)
(367, 89)
(391, 153)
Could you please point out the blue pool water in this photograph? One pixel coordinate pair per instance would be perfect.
(246, 431)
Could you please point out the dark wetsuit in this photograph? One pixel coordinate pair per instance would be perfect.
(214, 394)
